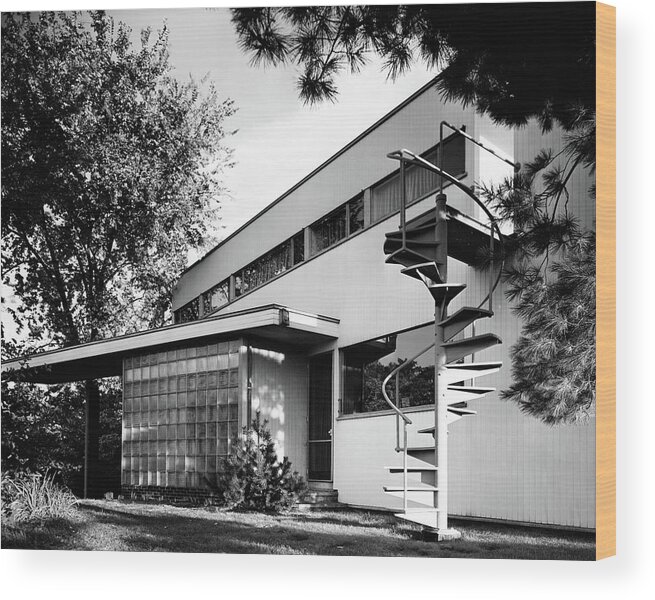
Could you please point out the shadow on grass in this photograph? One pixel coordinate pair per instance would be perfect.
(157, 528)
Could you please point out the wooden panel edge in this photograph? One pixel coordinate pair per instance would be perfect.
(606, 280)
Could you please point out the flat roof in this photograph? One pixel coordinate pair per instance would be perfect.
(103, 358)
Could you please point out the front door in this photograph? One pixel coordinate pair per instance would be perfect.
(320, 418)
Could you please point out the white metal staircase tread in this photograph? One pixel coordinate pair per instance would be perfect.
(471, 340)
(461, 319)
(406, 257)
(456, 372)
(471, 345)
(392, 244)
(483, 312)
(476, 366)
(410, 488)
(445, 291)
(409, 231)
(469, 389)
(462, 412)
(417, 449)
(423, 272)
(413, 469)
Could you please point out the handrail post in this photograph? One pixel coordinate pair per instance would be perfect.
(397, 404)
(405, 467)
(491, 267)
(403, 200)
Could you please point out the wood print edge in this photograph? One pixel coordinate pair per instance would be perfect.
(606, 281)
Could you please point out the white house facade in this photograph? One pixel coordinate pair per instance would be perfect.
(298, 316)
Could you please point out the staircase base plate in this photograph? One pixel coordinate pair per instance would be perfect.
(442, 535)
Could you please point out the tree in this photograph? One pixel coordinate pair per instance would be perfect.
(513, 62)
(253, 478)
(110, 173)
(110, 167)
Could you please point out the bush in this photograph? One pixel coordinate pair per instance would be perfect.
(254, 479)
(36, 497)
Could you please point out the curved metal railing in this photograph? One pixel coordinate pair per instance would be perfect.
(406, 156)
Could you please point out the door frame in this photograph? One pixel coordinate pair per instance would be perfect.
(328, 357)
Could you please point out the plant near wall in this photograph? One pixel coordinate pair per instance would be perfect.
(254, 479)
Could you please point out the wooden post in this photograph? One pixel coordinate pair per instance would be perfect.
(91, 435)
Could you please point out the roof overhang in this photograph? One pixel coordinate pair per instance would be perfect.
(104, 358)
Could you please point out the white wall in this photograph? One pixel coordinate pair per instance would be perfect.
(503, 464)
(416, 127)
(280, 392)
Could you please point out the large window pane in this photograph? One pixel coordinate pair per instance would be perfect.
(216, 297)
(159, 438)
(189, 312)
(328, 231)
(366, 365)
(356, 214)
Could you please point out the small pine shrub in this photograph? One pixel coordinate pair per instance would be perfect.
(36, 497)
(254, 479)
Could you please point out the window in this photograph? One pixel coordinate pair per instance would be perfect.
(181, 438)
(385, 196)
(339, 224)
(216, 297)
(328, 231)
(189, 312)
(271, 264)
(298, 243)
(366, 365)
(356, 214)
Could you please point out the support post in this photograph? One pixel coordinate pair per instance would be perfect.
(440, 385)
(91, 436)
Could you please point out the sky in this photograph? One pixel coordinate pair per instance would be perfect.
(278, 140)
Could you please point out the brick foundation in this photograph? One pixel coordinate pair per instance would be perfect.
(170, 495)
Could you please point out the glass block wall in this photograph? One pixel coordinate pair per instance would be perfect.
(180, 414)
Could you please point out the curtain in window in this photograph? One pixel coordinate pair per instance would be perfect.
(385, 197)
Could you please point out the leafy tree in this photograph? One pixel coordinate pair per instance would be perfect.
(109, 170)
(416, 385)
(515, 63)
(254, 479)
(550, 276)
(110, 174)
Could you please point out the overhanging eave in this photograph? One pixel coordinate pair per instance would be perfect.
(104, 358)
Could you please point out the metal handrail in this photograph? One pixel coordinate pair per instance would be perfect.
(402, 155)
(399, 368)
(421, 162)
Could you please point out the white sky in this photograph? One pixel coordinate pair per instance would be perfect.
(279, 140)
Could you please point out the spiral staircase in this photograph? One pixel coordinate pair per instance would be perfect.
(420, 248)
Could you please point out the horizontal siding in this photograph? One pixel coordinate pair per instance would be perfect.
(502, 465)
(356, 169)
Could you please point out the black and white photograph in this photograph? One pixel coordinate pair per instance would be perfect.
(303, 280)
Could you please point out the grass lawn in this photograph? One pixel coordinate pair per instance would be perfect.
(126, 526)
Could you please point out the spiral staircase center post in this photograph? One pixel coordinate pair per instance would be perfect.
(440, 385)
